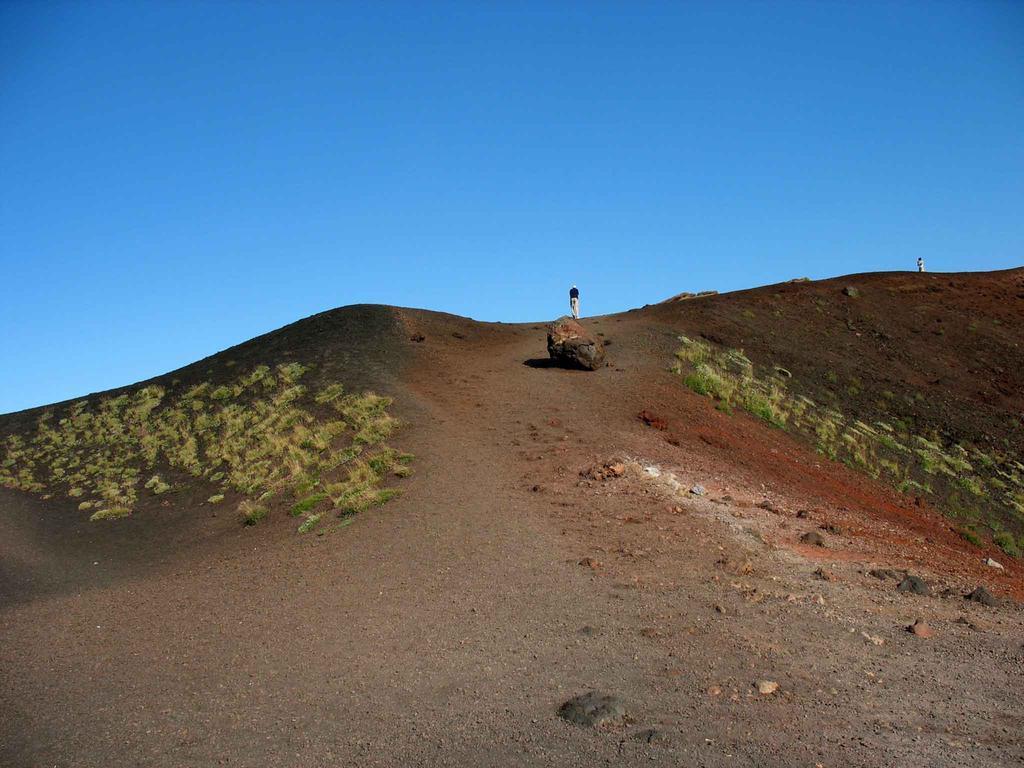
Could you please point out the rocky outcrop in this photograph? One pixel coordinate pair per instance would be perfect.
(689, 295)
(570, 345)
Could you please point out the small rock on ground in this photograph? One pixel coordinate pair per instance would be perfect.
(921, 629)
(914, 585)
(767, 687)
(813, 538)
(652, 419)
(983, 596)
(883, 573)
(648, 736)
(974, 624)
(699, 490)
(592, 709)
(824, 574)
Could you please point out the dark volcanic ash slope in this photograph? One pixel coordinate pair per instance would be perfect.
(358, 345)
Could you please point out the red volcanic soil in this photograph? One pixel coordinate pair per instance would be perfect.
(447, 627)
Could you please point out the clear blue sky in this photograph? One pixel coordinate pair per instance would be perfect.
(177, 177)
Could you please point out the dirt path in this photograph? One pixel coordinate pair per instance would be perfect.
(447, 627)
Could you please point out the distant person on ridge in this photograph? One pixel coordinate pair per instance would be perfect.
(574, 302)
(920, 264)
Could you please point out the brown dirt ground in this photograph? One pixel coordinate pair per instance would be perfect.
(447, 627)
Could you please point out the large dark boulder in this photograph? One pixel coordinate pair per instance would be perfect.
(572, 346)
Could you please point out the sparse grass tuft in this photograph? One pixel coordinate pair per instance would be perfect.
(969, 534)
(258, 435)
(963, 476)
(972, 485)
(306, 504)
(290, 373)
(112, 513)
(330, 393)
(1005, 541)
(759, 406)
(221, 393)
(252, 512)
(705, 381)
(309, 523)
(155, 485)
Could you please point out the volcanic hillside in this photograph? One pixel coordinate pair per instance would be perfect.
(383, 536)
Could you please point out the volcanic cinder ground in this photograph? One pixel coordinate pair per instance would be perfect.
(515, 572)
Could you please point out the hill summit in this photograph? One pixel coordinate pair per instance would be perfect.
(385, 536)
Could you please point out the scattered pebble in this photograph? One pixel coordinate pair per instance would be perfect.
(883, 573)
(592, 709)
(974, 624)
(824, 574)
(873, 639)
(652, 420)
(921, 629)
(983, 596)
(648, 736)
(914, 585)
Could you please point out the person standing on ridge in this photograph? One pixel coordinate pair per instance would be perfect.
(574, 302)
(920, 264)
